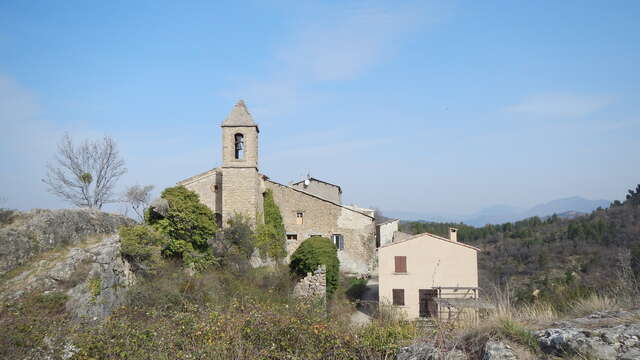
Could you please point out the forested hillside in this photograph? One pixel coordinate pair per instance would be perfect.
(554, 257)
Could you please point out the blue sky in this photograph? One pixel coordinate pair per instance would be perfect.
(445, 107)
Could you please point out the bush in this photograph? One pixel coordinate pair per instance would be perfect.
(311, 254)
(188, 223)
(271, 236)
(187, 218)
(236, 245)
(141, 245)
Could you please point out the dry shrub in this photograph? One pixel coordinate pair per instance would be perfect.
(594, 303)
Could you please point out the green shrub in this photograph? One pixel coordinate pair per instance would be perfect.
(187, 218)
(271, 236)
(386, 338)
(515, 331)
(311, 254)
(95, 288)
(356, 288)
(237, 241)
(141, 244)
(189, 224)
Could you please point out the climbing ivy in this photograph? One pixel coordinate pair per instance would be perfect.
(270, 235)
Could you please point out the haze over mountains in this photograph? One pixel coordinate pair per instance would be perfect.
(498, 214)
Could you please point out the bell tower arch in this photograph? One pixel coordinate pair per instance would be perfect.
(240, 182)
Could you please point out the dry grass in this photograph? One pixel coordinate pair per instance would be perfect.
(594, 303)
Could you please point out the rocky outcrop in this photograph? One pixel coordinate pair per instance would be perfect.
(314, 285)
(26, 234)
(610, 343)
(426, 351)
(93, 274)
(497, 350)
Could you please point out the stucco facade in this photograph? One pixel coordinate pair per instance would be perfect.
(431, 263)
(316, 209)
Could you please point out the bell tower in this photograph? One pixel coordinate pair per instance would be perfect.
(240, 182)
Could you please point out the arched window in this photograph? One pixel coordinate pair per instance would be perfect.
(239, 146)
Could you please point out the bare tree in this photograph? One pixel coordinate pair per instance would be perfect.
(139, 198)
(85, 175)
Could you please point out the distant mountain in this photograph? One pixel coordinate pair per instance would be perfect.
(575, 203)
(568, 208)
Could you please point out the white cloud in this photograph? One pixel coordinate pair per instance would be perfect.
(334, 44)
(561, 105)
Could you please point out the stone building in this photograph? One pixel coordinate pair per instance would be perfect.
(309, 207)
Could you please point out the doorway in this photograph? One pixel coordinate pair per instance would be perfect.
(428, 306)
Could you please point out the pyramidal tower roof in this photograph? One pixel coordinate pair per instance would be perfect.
(239, 116)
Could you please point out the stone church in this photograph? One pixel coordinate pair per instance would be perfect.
(309, 207)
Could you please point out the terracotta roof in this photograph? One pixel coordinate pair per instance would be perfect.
(239, 116)
(433, 236)
(320, 181)
(320, 198)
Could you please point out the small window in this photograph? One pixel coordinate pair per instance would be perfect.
(292, 237)
(398, 297)
(401, 264)
(338, 240)
(299, 218)
(239, 146)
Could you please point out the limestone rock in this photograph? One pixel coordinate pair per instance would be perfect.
(93, 275)
(37, 231)
(426, 351)
(605, 343)
(496, 350)
(160, 206)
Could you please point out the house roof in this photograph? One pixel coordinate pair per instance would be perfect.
(437, 237)
(387, 221)
(320, 181)
(239, 116)
(197, 177)
(320, 198)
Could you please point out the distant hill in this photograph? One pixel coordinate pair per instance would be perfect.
(561, 255)
(498, 214)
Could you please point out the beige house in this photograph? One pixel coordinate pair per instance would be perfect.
(427, 275)
(309, 207)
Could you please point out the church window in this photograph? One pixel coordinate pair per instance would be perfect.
(292, 237)
(239, 146)
(299, 218)
(338, 240)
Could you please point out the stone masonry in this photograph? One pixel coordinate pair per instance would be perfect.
(316, 209)
(312, 286)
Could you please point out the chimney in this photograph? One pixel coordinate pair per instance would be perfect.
(453, 234)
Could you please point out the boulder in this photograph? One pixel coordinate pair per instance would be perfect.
(496, 350)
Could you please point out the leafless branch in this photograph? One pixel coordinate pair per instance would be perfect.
(139, 198)
(85, 175)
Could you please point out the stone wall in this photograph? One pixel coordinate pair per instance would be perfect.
(208, 186)
(321, 189)
(325, 218)
(314, 285)
(386, 231)
(240, 192)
